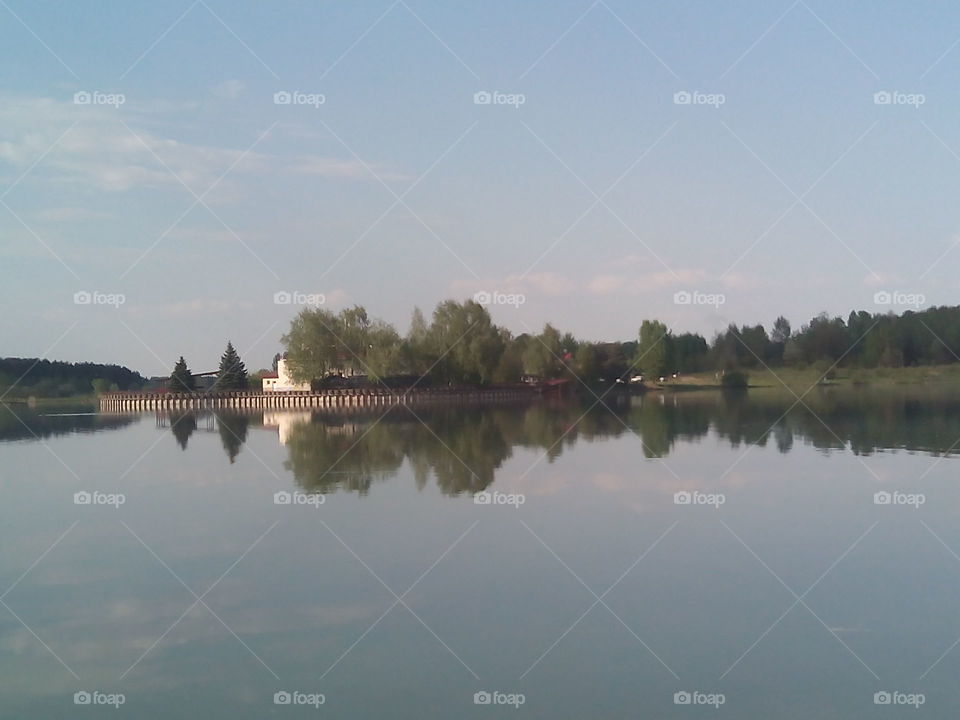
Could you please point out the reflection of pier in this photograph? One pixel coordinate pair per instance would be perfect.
(339, 399)
(205, 421)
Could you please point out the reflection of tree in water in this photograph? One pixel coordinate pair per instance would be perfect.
(463, 448)
(233, 432)
(348, 455)
(182, 424)
(19, 422)
(862, 420)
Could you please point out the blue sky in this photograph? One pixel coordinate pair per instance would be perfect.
(786, 185)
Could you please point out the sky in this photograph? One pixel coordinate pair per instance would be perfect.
(176, 175)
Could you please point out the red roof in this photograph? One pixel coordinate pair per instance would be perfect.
(270, 375)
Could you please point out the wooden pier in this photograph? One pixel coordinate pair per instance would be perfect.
(339, 398)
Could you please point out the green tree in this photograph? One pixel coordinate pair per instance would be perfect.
(383, 354)
(100, 385)
(542, 356)
(232, 374)
(311, 344)
(588, 362)
(181, 379)
(510, 365)
(652, 350)
(321, 343)
(781, 330)
(465, 342)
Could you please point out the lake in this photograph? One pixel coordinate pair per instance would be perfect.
(666, 556)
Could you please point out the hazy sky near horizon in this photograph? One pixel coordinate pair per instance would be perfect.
(790, 157)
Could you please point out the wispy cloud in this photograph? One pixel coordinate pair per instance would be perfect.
(107, 149)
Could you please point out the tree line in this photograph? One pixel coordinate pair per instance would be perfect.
(23, 377)
(462, 345)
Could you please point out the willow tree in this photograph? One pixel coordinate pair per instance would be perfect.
(465, 342)
(322, 343)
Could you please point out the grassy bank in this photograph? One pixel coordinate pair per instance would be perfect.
(805, 377)
(90, 399)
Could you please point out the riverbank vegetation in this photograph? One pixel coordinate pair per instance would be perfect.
(462, 345)
(32, 377)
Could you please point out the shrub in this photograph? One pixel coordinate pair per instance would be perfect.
(733, 379)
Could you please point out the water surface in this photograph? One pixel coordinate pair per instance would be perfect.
(235, 556)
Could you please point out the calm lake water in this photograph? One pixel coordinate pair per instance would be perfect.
(690, 555)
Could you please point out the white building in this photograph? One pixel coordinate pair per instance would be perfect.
(281, 381)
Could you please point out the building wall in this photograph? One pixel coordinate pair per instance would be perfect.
(283, 382)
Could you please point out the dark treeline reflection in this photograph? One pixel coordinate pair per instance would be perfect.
(20, 422)
(462, 449)
(232, 427)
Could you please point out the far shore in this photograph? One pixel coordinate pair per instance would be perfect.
(806, 377)
(762, 378)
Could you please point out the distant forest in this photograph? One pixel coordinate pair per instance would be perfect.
(23, 377)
